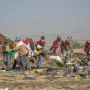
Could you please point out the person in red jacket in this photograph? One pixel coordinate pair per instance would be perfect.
(67, 44)
(0, 43)
(87, 49)
(41, 43)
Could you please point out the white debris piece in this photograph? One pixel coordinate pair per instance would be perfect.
(56, 58)
(4, 89)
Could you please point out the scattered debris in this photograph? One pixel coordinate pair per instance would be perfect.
(4, 89)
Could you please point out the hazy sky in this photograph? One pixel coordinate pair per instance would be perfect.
(41, 17)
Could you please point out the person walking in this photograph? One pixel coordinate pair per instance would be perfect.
(41, 43)
(21, 60)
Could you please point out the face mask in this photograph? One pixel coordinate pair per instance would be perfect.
(43, 40)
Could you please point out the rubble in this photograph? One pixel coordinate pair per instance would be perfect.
(69, 67)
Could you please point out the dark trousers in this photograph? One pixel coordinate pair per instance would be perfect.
(15, 63)
(27, 62)
(23, 62)
(7, 60)
(88, 58)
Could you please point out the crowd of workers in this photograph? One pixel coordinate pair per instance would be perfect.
(22, 51)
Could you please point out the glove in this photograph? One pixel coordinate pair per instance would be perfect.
(10, 50)
(68, 52)
(46, 50)
(27, 53)
(50, 50)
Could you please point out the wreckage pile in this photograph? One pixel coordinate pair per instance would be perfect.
(69, 65)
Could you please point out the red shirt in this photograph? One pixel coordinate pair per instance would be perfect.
(41, 43)
(0, 43)
(26, 43)
(87, 47)
(67, 43)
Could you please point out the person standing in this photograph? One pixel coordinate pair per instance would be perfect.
(71, 41)
(87, 49)
(16, 55)
(42, 44)
(21, 60)
(58, 46)
(67, 44)
(29, 52)
(6, 53)
(31, 43)
(0, 43)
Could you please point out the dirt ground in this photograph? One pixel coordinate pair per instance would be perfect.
(30, 80)
(33, 81)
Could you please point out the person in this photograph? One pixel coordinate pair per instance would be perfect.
(67, 44)
(0, 43)
(41, 43)
(31, 43)
(6, 53)
(58, 46)
(16, 53)
(87, 49)
(27, 43)
(71, 41)
(29, 52)
(20, 47)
